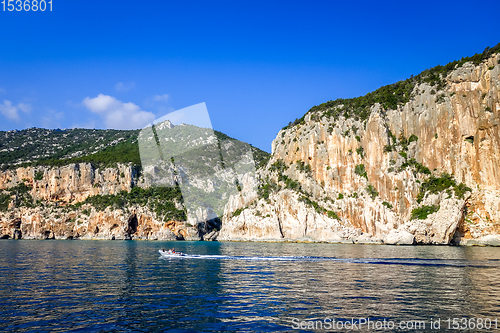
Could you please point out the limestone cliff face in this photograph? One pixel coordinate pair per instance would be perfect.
(357, 170)
(87, 223)
(56, 188)
(71, 183)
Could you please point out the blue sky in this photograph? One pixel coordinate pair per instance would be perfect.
(257, 64)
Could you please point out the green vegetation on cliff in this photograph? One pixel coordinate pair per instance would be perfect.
(423, 212)
(320, 210)
(101, 148)
(4, 202)
(303, 167)
(19, 195)
(158, 199)
(360, 171)
(278, 166)
(239, 211)
(436, 185)
(401, 147)
(392, 95)
(268, 186)
(372, 192)
(289, 182)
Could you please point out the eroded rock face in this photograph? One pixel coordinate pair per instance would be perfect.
(399, 237)
(58, 187)
(284, 217)
(71, 183)
(50, 223)
(455, 131)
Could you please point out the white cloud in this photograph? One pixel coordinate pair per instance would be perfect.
(10, 111)
(161, 98)
(121, 87)
(118, 115)
(26, 108)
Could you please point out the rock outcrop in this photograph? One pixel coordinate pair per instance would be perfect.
(71, 183)
(88, 223)
(56, 190)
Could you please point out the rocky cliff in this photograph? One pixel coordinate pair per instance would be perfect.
(422, 169)
(50, 203)
(71, 183)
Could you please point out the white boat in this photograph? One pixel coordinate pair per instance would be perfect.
(169, 253)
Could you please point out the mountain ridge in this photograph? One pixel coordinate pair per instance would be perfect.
(110, 195)
(116, 146)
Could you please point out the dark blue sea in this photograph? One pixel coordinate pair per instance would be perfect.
(103, 286)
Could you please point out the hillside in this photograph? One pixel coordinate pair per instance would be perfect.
(33, 145)
(102, 148)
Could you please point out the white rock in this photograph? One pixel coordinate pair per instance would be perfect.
(399, 237)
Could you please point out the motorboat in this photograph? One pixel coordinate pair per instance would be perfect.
(170, 253)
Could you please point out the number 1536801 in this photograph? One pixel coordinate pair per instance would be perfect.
(26, 5)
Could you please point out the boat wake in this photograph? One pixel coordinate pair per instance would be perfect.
(370, 261)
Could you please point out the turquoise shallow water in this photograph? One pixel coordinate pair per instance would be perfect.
(98, 286)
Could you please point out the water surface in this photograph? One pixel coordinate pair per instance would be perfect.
(95, 286)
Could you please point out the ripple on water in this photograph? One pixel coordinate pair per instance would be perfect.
(104, 286)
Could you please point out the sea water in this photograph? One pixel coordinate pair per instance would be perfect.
(98, 286)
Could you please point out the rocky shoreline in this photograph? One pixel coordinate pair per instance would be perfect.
(486, 241)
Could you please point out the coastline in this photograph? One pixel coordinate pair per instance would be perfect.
(469, 243)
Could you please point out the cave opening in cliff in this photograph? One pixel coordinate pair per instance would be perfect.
(133, 223)
(18, 234)
(470, 139)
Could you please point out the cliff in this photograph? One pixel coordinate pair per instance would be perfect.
(421, 167)
(416, 162)
(80, 201)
